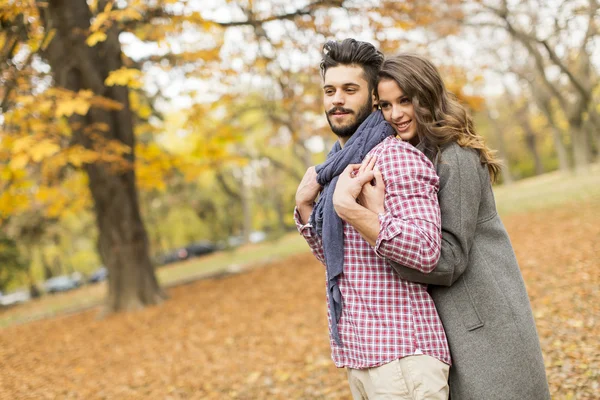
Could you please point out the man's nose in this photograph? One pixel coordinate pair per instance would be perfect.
(338, 98)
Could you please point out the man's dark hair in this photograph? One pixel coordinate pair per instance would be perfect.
(353, 52)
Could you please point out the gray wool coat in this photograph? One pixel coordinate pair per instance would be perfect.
(479, 291)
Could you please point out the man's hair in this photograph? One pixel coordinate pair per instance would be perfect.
(351, 52)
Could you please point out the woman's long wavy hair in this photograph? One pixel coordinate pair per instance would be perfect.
(440, 117)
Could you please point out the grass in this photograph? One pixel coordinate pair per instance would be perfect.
(546, 191)
(171, 275)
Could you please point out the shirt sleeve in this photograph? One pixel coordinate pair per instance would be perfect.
(310, 235)
(460, 198)
(410, 228)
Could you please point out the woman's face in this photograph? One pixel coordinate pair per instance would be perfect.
(398, 110)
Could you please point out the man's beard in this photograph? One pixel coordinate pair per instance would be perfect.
(347, 131)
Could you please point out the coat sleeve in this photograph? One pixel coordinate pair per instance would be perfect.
(459, 197)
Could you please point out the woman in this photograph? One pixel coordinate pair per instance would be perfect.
(477, 286)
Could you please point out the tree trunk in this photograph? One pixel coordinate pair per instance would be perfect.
(246, 204)
(507, 177)
(48, 271)
(581, 148)
(557, 137)
(122, 241)
(531, 141)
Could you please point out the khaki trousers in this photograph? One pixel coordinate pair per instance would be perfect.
(412, 378)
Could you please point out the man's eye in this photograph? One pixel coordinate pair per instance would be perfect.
(329, 92)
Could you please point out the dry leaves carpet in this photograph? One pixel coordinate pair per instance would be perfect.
(263, 335)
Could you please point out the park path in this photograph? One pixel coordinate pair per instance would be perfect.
(263, 334)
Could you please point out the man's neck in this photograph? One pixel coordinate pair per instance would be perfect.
(343, 140)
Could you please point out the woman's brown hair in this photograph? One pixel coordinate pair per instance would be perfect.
(440, 117)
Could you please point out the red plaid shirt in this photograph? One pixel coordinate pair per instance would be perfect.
(385, 318)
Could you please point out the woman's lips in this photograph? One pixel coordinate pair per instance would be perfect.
(403, 126)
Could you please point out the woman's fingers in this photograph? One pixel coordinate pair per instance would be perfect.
(363, 165)
(352, 170)
(366, 167)
(365, 177)
(367, 164)
(377, 177)
(371, 164)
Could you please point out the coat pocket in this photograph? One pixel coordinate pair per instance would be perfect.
(463, 301)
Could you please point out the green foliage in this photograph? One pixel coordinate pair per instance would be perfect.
(11, 263)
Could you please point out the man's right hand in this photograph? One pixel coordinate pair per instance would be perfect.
(307, 192)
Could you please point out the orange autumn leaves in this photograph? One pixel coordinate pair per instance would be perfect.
(263, 334)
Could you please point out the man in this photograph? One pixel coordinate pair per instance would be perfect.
(384, 330)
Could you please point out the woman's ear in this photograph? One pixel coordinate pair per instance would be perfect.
(375, 101)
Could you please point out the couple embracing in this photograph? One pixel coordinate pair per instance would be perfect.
(426, 299)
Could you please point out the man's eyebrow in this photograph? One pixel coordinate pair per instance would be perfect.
(343, 85)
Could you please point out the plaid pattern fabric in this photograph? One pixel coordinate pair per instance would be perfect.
(385, 318)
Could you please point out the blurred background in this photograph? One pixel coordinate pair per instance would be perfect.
(147, 143)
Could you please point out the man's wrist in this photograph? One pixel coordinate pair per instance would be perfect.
(346, 209)
(304, 211)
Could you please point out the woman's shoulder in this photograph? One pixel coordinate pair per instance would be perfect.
(453, 153)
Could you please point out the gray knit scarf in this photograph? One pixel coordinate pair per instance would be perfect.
(325, 220)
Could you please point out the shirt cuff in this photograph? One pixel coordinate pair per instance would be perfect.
(387, 231)
(304, 229)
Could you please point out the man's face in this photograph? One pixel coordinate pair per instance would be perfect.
(346, 98)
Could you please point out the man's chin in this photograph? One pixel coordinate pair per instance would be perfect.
(345, 130)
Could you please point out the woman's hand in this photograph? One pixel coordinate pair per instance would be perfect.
(373, 193)
(349, 185)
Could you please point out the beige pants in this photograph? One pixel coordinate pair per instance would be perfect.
(415, 378)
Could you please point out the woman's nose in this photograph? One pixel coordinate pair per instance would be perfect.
(397, 113)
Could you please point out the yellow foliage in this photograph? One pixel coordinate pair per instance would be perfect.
(19, 162)
(128, 13)
(23, 143)
(69, 107)
(78, 155)
(106, 103)
(93, 4)
(124, 77)
(117, 147)
(43, 149)
(12, 203)
(69, 104)
(138, 106)
(95, 38)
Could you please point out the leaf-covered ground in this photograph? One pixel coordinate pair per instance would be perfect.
(263, 335)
